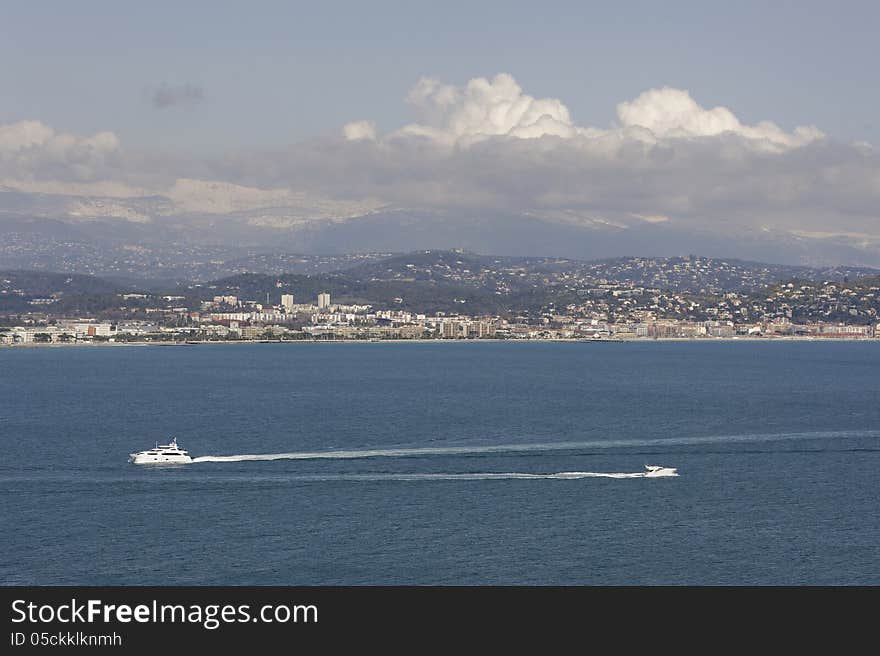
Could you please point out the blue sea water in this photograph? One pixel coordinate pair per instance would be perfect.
(776, 444)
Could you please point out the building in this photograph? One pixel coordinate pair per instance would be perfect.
(450, 329)
(323, 300)
(87, 329)
(287, 302)
(840, 330)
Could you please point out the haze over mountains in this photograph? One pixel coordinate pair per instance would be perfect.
(146, 238)
(207, 248)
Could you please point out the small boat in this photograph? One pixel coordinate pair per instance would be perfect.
(162, 454)
(654, 471)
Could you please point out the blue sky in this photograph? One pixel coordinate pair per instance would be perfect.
(273, 73)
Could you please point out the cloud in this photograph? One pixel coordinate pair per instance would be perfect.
(358, 130)
(16, 136)
(181, 94)
(667, 160)
(483, 109)
(489, 148)
(31, 150)
(670, 113)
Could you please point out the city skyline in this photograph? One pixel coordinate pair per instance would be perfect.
(454, 295)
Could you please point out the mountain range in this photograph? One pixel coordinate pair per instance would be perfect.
(201, 230)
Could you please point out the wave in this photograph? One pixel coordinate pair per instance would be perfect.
(477, 476)
(543, 446)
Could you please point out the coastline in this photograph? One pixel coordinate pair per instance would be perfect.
(702, 340)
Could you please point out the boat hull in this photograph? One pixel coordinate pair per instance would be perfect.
(145, 459)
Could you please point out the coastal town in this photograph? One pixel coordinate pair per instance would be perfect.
(450, 295)
(610, 312)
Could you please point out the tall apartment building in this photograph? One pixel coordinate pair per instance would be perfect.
(323, 300)
(287, 302)
(450, 329)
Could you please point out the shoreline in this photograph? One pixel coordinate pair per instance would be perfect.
(703, 340)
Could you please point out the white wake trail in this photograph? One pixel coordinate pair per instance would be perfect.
(478, 476)
(552, 446)
(381, 453)
(488, 476)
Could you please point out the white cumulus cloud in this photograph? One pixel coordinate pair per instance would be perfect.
(483, 109)
(32, 150)
(15, 136)
(358, 130)
(669, 112)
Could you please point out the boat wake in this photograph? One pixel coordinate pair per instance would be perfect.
(479, 476)
(534, 447)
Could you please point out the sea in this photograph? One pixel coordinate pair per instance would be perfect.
(468, 463)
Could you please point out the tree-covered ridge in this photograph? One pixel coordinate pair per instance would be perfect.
(452, 281)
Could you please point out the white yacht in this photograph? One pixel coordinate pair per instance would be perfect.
(163, 454)
(655, 470)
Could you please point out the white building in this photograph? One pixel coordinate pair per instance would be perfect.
(85, 329)
(323, 300)
(287, 302)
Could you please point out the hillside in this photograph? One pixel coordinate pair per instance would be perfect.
(23, 291)
(446, 281)
(509, 274)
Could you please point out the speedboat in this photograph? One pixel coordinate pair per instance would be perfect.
(162, 454)
(655, 470)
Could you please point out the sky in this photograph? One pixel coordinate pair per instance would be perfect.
(722, 118)
(271, 72)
